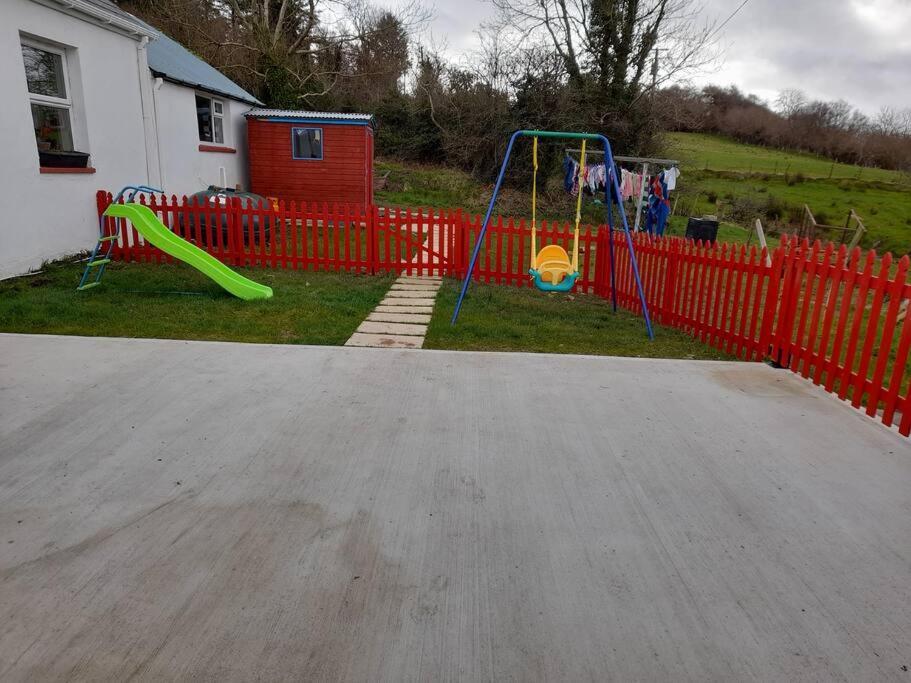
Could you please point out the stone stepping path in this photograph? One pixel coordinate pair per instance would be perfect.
(401, 318)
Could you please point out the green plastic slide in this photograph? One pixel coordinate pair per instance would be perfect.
(154, 231)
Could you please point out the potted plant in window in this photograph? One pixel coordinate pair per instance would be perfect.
(51, 153)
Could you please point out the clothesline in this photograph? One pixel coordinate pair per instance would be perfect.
(650, 191)
(630, 160)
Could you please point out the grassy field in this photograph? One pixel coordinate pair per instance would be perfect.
(178, 302)
(751, 181)
(509, 319)
(713, 152)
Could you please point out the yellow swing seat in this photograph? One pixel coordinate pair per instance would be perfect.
(552, 264)
(551, 269)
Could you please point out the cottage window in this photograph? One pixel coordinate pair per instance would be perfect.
(307, 143)
(210, 117)
(49, 96)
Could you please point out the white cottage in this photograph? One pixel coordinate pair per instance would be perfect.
(95, 98)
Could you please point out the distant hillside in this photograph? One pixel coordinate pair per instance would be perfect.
(706, 151)
(756, 182)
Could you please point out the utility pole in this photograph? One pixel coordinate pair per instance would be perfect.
(654, 71)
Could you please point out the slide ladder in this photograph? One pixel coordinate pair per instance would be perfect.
(101, 254)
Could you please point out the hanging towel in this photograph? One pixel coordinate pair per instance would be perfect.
(626, 184)
(637, 185)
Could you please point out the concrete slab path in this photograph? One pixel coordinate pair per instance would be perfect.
(188, 510)
(400, 320)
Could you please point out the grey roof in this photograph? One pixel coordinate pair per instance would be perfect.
(173, 62)
(298, 114)
(167, 58)
(108, 13)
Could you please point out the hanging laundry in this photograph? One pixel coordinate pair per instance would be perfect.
(659, 206)
(593, 178)
(601, 176)
(626, 184)
(570, 173)
(637, 184)
(670, 177)
(617, 198)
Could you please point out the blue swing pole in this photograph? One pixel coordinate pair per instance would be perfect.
(608, 159)
(480, 240)
(609, 203)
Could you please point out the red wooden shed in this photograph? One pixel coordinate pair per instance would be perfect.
(311, 156)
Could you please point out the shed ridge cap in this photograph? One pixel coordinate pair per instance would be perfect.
(306, 114)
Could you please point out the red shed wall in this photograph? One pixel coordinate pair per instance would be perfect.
(343, 175)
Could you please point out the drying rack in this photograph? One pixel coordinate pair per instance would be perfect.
(645, 162)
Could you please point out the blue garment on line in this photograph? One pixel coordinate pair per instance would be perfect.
(613, 189)
(659, 207)
(570, 171)
(656, 218)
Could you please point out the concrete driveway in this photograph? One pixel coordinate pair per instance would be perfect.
(184, 510)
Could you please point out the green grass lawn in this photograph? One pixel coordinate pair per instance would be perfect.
(497, 318)
(178, 302)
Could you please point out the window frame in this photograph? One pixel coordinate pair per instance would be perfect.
(64, 103)
(50, 100)
(322, 141)
(212, 116)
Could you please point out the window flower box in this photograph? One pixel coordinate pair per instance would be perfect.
(57, 159)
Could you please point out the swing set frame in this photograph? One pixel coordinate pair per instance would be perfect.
(609, 211)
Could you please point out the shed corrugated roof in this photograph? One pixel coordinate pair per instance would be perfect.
(173, 62)
(299, 114)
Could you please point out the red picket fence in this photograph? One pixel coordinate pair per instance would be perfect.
(720, 295)
(811, 308)
(301, 236)
(846, 327)
(353, 238)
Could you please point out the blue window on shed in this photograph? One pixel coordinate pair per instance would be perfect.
(307, 143)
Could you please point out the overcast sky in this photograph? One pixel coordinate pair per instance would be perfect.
(857, 50)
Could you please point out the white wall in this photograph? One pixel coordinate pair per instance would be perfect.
(44, 216)
(185, 169)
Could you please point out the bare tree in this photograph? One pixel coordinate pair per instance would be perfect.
(891, 121)
(610, 46)
(292, 50)
(791, 102)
